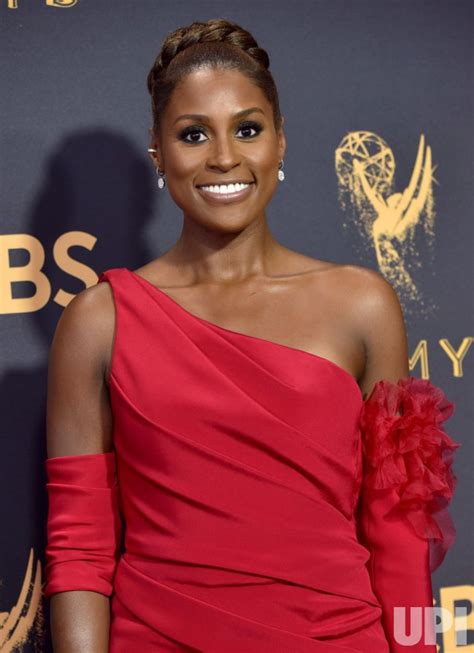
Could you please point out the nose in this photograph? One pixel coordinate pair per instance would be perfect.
(223, 153)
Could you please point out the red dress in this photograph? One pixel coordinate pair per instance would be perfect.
(265, 505)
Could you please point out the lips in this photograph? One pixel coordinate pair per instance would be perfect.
(213, 196)
(224, 189)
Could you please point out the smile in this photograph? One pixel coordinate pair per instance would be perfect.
(225, 189)
(226, 192)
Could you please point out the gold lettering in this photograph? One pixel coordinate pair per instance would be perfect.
(456, 356)
(420, 354)
(12, 4)
(32, 271)
(69, 265)
(29, 272)
(448, 597)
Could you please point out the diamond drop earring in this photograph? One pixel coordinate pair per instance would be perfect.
(281, 174)
(159, 173)
(161, 178)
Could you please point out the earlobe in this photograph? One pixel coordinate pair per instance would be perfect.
(154, 159)
(282, 146)
(282, 140)
(152, 155)
(154, 143)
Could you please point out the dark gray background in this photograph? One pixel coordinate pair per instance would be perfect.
(75, 115)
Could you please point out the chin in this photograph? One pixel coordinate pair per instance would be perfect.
(227, 224)
(221, 217)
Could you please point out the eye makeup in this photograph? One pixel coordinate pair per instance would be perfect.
(199, 129)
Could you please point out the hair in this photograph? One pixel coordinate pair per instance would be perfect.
(217, 43)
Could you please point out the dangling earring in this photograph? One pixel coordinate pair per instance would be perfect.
(159, 173)
(161, 178)
(281, 174)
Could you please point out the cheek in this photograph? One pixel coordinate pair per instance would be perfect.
(181, 167)
(267, 174)
(264, 163)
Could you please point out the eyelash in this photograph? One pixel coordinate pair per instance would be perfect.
(192, 129)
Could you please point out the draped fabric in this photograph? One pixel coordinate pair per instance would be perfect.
(84, 523)
(248, 501)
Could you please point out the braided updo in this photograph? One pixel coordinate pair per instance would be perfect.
(218, 43)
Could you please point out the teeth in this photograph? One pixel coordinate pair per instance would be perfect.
(225, 189)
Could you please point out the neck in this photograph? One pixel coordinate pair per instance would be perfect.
(209, 256)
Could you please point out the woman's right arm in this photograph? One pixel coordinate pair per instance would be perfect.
(79, 422)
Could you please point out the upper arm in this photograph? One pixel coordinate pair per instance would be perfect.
(380, 324)
(78, 413)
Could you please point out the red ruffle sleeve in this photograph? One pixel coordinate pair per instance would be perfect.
(406, 448)
(406, 486)
(84, 524)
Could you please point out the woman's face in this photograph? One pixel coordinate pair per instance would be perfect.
(217, 130)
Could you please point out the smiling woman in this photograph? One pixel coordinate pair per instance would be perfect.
(216, 125)
(242, 413)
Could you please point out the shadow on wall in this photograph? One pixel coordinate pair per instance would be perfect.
(99, 183)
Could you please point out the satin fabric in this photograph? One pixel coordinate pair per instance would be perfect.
(238, 469)
(239, 466)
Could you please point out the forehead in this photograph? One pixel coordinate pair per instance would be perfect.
(216, 92)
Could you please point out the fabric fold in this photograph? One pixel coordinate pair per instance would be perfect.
(207, 627)
(84, 524)
(239, 464)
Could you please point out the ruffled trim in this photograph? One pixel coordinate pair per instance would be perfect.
(406, 448)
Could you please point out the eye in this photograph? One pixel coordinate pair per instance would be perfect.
(192, 132)
(248, 126)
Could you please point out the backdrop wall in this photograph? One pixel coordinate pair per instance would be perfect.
(386, 83)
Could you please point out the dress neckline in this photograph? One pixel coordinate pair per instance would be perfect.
(273, 343)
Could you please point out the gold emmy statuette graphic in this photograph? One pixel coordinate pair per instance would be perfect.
(61, 3)
(16, 625)
(13, 4)
(389, 221)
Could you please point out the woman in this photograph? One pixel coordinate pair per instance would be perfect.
(215, 405)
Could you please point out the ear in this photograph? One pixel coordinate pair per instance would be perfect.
(281, 140)
(156, 157)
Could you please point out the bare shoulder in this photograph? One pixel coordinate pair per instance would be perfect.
(370, 300)
(369, 318)
(373, 309)
(86, 326)
(353, 283)
(78, 412)
(362, 293)
(365, 288)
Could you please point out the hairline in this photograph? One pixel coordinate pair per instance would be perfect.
(192, 67)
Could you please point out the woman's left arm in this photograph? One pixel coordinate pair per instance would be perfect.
(406, 477)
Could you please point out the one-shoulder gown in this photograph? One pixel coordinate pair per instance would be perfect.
(253, 502)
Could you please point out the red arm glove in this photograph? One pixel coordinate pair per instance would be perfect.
(84, 524)
(407, 485)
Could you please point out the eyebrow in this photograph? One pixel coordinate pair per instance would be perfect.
(200, 116)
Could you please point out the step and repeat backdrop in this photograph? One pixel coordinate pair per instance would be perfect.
(377, 98)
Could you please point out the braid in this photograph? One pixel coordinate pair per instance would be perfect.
(217, 42)
(216, 30)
